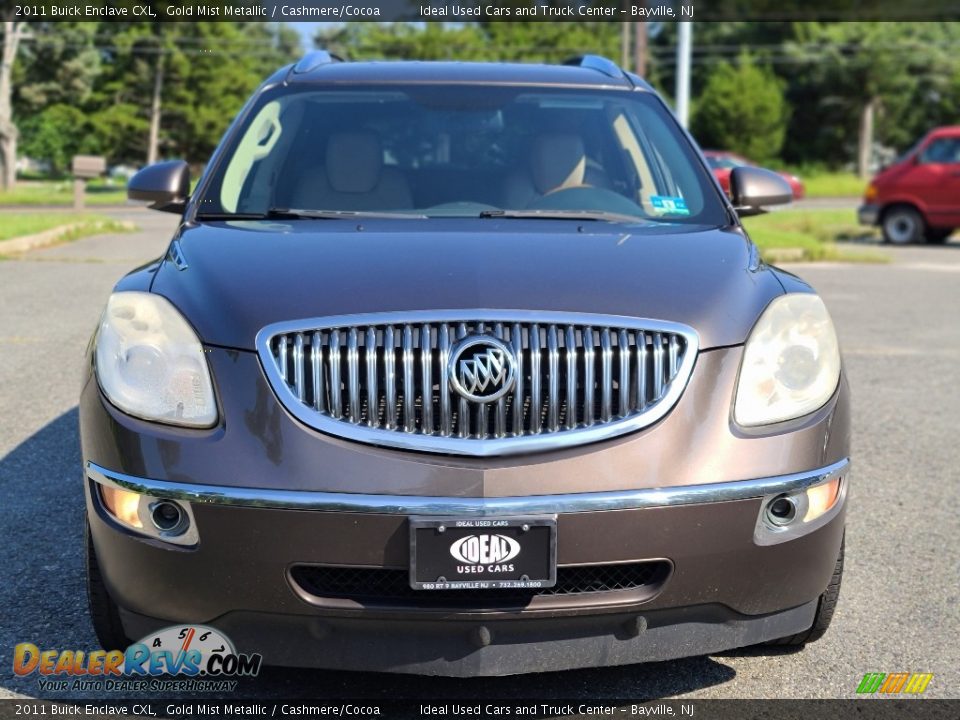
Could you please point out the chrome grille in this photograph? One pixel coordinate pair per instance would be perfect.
(383, 378)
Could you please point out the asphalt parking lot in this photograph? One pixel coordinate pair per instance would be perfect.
(900, 603)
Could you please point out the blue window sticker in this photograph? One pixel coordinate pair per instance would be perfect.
(664, 205)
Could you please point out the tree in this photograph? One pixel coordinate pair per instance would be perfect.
(491, 41)
(857, 73)
(56, 135)
(12, 35)
(742, 108)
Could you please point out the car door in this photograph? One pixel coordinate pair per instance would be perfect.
(935, 178)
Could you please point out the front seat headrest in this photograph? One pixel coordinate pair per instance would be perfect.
(354, 161)
(558, 161)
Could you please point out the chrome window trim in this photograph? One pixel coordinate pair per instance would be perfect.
(549, 440)
(468, 506)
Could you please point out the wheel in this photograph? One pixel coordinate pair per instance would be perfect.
(903, 225)
(104, 613)
(938, 236)
(825, 607)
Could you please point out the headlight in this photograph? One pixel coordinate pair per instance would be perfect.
(791, 363)
(151, 364)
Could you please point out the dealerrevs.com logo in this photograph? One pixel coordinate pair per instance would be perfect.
(176, 658)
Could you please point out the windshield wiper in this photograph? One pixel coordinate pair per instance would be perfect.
(340, 214)
(565, 215)
(295, 213)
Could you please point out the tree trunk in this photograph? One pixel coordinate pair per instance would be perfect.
(865, 149)
(12, 33)
(154, 140)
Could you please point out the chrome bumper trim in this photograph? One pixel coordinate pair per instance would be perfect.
(467, 506)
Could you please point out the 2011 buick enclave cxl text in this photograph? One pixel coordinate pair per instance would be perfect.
(463, 369)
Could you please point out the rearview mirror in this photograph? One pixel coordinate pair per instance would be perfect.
(753, 188)
(165, 185)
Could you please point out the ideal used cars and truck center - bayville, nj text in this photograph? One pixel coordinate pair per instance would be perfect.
(346, 10)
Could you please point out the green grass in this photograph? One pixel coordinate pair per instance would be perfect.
(32, 192)
(14, 225)
(813, 234)
(824, 183)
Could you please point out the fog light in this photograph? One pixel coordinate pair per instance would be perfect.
(782, 510)
(123, 505)
(167, 517)
(821, 498)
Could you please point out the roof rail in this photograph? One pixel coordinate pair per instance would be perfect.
(596, 62)
(313, 60)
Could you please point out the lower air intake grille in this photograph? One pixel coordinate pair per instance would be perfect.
(372, 586)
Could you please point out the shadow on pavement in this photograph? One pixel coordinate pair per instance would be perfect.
(43, 601)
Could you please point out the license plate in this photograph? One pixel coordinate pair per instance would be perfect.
(483, 553)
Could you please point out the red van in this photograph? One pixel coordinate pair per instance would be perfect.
(917, 198)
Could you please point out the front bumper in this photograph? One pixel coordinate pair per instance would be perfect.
(868, 215)
(268, 494)
(724, 590)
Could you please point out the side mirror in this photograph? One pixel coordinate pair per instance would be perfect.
(753, 188)
(165, 185)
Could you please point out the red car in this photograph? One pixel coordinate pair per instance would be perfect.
(917, 198)
(722, 163)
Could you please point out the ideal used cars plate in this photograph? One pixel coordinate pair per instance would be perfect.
(483, 553)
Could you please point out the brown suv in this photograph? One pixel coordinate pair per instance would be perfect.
(463, 369)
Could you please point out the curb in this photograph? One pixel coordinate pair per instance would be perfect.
(50, 237)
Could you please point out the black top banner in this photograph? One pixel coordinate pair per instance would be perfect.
(476, 10)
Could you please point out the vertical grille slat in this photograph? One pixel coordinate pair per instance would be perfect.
(657, 364)
(446, 415)
(570, 346)
(623, 363)
(353, 376)
(298, 367)
(606, 361)
(463, 411)
(389, 377)
(282, 359)
(426, 368)
(553, 380)
(589, 382)
(536, 398)
(316, 371)
(336, 398)
(373, 396)
(516, 341)
(409, 407)
(641, 403)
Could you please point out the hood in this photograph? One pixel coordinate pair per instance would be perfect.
(241, 276)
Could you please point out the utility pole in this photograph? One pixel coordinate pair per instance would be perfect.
(625, 45)
(684, 51)
(640, 48)
(154, 138)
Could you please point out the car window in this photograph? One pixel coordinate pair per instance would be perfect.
(942, 150)
(461, 150)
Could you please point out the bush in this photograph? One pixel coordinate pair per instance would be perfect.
(742, 109)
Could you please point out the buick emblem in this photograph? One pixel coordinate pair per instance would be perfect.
(482, 368)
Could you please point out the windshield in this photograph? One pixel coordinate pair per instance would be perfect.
(461, 151)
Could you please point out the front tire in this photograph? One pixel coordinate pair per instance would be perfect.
(825, 609)
(104, 612)
(903, 225)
